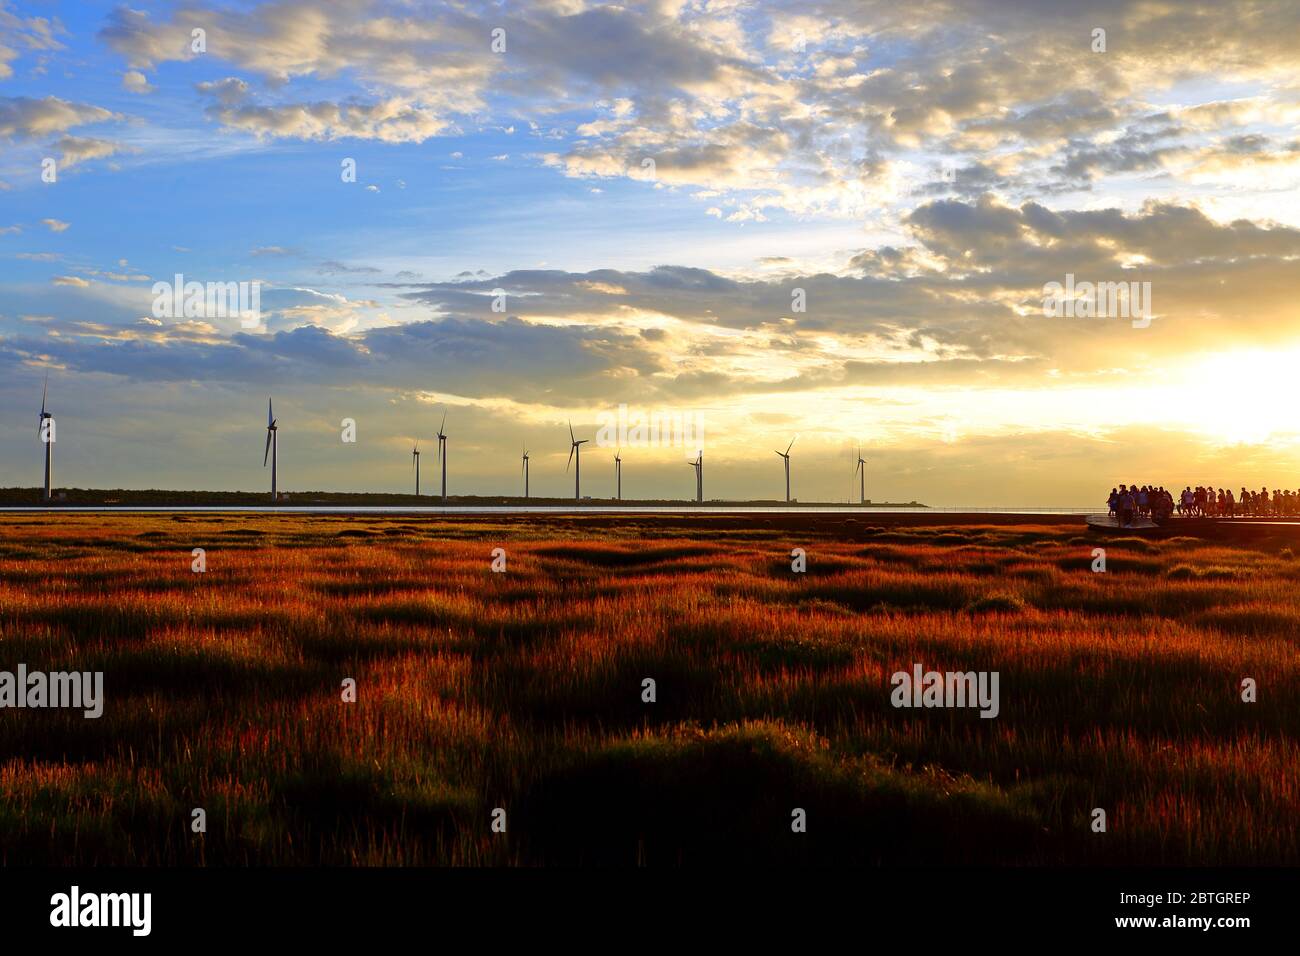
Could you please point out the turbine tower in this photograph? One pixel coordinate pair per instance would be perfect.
(415, 464)
(525, 472)
(272, 428)
(698, 465)
(786, 455)
(861, 471)
(46, 433)
(618, 475)
(575, 459)
(442, 454)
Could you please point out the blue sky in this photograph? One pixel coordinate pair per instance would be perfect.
(794, 147)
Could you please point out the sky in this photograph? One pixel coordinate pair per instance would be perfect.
(831, 220)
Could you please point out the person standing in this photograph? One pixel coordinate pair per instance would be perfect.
(1126, 504)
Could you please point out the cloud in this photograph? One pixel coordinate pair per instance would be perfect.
(847, 125)
(118, 276)
(33, 33)
(429, 68)
(334, 267)
(987, 233)
(296, 307)
(528, 362)
(77, 149)
(135, 82)
(961, 304)
(74, 281)
(55, 225)
(389, 121)
(22, 117)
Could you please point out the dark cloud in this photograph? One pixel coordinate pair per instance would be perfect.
(334, 267)
(511, 358)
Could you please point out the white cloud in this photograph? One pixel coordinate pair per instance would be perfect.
(136, 82)
(77, 149)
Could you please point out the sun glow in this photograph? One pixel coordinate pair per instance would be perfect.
(1247, 396)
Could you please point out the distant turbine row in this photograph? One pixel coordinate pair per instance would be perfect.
(575, 461)
(270, 457)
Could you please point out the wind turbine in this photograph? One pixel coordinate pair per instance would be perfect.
(442, 454)
(46, 433)
(786, 455)
(272, 428)
(618, 475)
(698, 465)
(861, 471)
(525, 472)
(575, 452)
(415, 464)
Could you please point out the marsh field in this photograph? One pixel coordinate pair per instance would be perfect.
(523, 690)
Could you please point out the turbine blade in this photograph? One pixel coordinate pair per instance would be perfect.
(571, 435)
(444, 422)
(270, 416)
(572, 449)
(44, 392)
(267, 454)
(791, 445)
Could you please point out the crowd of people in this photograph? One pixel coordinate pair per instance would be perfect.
(1129, 502)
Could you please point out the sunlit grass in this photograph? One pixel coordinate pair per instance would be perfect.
(523, 690)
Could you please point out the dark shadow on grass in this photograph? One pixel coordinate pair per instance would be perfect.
(726, 798)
